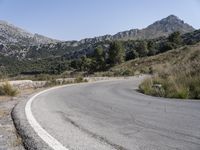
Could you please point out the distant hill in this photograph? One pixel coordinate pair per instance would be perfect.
(24, 52)
(18, 43)
(163, 27)
(10, 34)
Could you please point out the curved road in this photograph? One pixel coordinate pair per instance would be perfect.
(112, 115)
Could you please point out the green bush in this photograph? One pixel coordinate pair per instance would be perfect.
(7, 90)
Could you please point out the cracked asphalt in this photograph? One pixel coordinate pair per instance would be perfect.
(113, 115)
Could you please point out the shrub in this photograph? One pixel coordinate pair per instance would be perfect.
(146, 86)
(80, 79)
(175, 85)
(127, 72)
(51, 83)
(7, 89)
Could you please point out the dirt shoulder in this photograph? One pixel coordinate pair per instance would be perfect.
(9, 139)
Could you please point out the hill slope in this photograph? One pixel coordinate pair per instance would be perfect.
(188, 57)
(176, 73)
(10, 34)
(18, 43)
(163, 27)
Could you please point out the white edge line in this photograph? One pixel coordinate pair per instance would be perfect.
(43, 134)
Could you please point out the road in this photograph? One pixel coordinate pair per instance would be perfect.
(113, 115)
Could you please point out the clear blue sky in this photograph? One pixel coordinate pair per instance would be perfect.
(77, 19)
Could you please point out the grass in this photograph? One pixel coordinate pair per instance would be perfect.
(79, 79)
(149, 64)
(54, 82)
(177, 77)
(7, 89)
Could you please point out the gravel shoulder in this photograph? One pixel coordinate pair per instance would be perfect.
(9, 137)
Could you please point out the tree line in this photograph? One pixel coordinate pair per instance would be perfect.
(120, 51)
(101, 59)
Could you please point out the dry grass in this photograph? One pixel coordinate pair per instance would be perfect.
(179, 77)
(8, 90)
(149, 64)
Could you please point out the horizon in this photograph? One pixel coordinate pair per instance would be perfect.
(92, 21)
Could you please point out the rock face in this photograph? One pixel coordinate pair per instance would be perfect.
(20, 44)
(162, 27)
(10, 34)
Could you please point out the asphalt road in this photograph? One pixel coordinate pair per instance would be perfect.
(113, 115)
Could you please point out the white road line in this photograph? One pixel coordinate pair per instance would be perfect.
(43, 134)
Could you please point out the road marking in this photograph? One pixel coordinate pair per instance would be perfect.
(42, 133)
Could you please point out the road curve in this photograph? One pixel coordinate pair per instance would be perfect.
(113, 115)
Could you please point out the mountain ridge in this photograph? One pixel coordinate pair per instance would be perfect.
(35, 46)
(10, 34)
(175, 24)
(162, 27)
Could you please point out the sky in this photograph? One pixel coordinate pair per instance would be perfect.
(78, 19)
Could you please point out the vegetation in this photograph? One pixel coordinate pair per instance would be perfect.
(178, 77)
(90, 58)
(100, 58)
(116, 53)
(7, 90)
(80, 79)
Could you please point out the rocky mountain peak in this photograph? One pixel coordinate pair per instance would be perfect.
(10, 34)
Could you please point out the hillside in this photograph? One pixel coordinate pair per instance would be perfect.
(176, 74)
(17, 58)
(18, 43)
(188, 57)
(56, 60)
(10, 34)
(163, 27)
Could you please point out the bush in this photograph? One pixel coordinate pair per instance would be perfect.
(127, 72)
(173, 86)
(146, 86)
(80, 79)
(51, 83)
(8, 90)
(152, 87)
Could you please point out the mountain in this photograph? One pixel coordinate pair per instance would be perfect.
(10, 34)
(162, 27)
(159, 28)
(21, 44)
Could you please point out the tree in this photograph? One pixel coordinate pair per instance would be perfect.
(142, 48)
(152, 48)
(175, 38)
(116, 53)
(166, 46)
(132, 54)
(86, 63)
(99, 56)
(76, 64)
